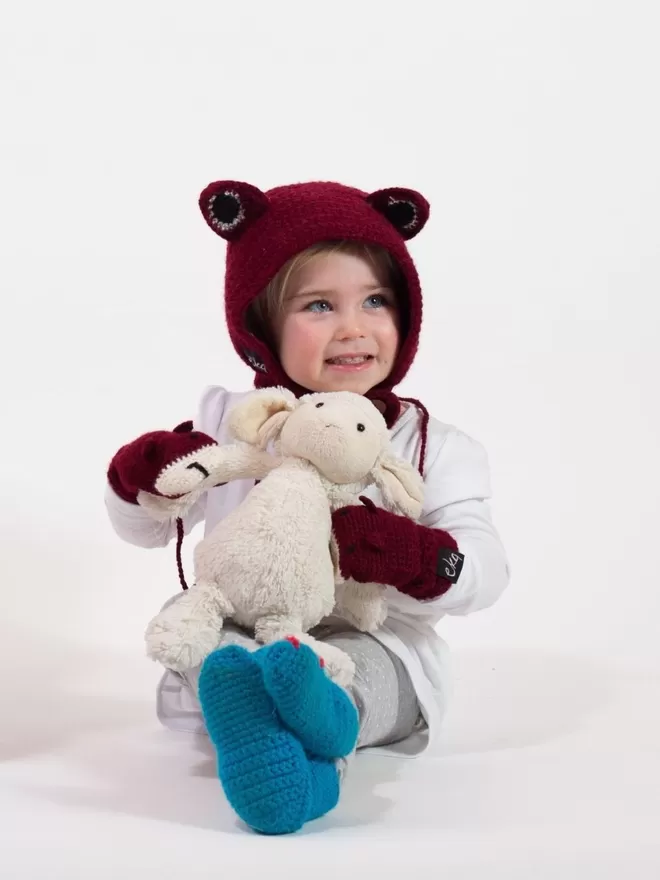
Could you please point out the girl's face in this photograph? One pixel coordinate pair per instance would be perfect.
(339, 329)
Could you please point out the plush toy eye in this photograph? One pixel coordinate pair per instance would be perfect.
(360, 426)
(319, 405)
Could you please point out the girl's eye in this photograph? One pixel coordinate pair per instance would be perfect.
(319, 305)
(377, 301)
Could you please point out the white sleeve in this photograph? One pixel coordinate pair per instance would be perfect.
(457, 489)
(136, 526)
(133, 523)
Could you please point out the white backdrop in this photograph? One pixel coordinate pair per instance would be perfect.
(532, 128)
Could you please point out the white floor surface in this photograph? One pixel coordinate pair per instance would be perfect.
(549, 767)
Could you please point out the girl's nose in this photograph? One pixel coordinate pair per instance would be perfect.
(350, 325)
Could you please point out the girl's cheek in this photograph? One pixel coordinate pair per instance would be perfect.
(301, 333)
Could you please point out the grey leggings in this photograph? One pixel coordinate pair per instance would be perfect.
(382, 691)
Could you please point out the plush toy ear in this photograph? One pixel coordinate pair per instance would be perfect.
(406, 209)
(260, 418)
(272, 427)
(400, 484)
(230, 207)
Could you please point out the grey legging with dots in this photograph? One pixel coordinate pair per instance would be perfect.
(382, 691)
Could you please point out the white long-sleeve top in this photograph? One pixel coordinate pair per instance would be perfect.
(456, 499)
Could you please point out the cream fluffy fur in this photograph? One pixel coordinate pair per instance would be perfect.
(271, 563)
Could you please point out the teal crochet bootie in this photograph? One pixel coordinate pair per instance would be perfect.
(314, 708)
(267, 777)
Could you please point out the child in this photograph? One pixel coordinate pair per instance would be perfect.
(321, 294)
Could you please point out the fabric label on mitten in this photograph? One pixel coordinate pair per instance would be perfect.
(450, 564)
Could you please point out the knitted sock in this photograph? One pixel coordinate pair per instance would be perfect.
(267, 778)
(318, 711)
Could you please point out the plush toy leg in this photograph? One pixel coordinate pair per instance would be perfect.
(339, 665)
(273, 628)
(362, 605)
(318, 711)
(267, 777)
(184, 633)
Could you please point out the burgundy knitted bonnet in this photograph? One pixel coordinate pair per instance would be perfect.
(265, 229)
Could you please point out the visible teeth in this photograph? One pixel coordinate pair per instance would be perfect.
(355, 360)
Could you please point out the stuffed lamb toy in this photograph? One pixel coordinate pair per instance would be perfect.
(270, 565)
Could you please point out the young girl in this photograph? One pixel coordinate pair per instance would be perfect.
(321, 294)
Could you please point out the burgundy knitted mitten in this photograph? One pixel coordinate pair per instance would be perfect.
(376, 546)
(136, 466)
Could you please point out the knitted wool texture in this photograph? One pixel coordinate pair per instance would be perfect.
(311, 705)
(135, 466)
(377, 546)
(265, 229)
(269, 779)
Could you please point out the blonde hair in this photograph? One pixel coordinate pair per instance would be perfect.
(267, 308)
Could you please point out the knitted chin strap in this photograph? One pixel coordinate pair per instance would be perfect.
(424, 430)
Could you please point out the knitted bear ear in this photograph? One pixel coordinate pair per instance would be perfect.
(183, 428)
(406, 209)
(230, 207)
